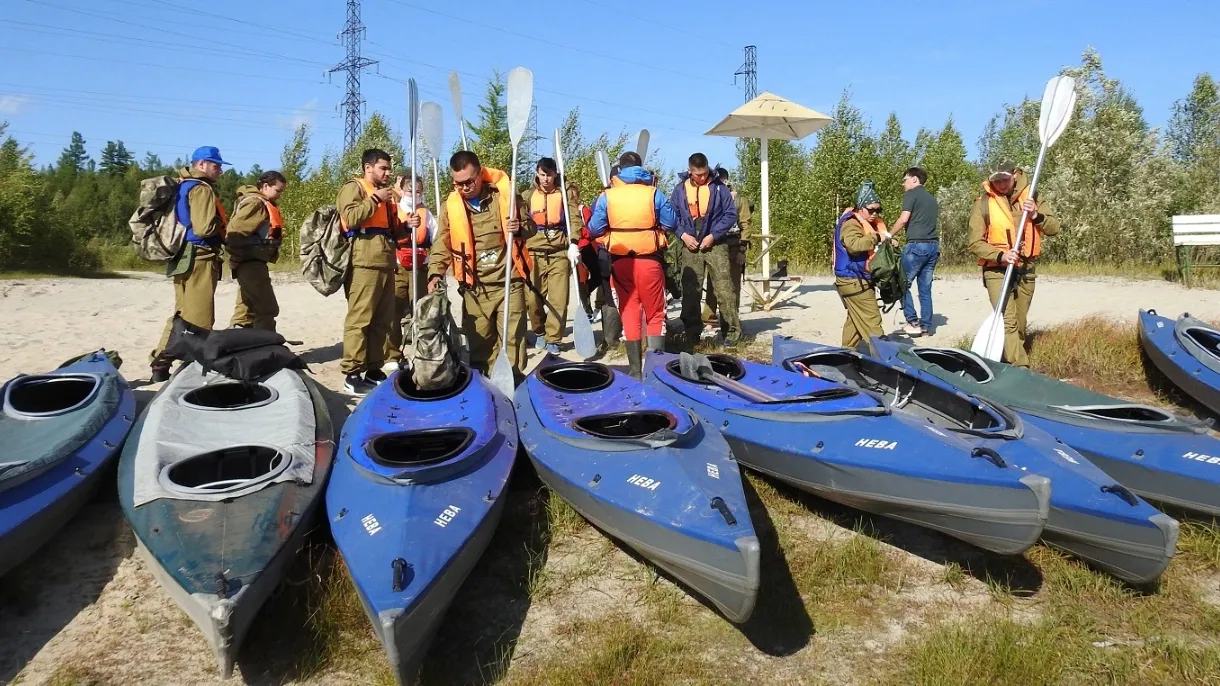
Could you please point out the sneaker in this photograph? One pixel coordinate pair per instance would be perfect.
(552, 348)
(539, 342)
(355, 384)
(927, 330)
(159, 375)
(912, 330)
(391, 367)
(597, 317)
(374, 376)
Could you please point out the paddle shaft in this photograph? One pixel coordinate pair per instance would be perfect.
(1033, 185)
(737, 387)
(509, 239)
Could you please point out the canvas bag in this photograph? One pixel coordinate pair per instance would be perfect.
(437, 363)
(155, 230)
(885, 267)
(326, 254)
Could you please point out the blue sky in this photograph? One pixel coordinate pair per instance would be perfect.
(166, 76)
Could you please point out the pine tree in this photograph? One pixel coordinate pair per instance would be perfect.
(74, 158)
(116, 158)
(152, 163)
(491, 140)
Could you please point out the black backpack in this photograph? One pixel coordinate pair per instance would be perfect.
(240, 354)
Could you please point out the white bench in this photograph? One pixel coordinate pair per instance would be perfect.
(1191, 230)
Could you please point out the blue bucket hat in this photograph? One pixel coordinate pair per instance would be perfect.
(207, 153)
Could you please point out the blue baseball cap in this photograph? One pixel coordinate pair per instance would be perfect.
(207, 153)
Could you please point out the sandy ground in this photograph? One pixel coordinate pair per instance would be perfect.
(86, 600)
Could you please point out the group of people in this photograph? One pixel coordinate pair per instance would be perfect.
(992, 239)
(632, 246)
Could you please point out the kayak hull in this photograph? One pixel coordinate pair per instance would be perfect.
(1090, 516)
(221, 560)
(411, 530)
(1158, 336)
(656, 499)
(32, 512)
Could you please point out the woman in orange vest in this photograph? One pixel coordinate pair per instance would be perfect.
(629, 222)
(993, 235)
(554, 253)
(475, 229)
(253, 240)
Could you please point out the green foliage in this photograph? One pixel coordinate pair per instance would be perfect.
(116, 159)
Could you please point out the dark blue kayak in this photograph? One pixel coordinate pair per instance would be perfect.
(415, 497)
(59, 431)
(647, 473)
(1160, 456)
(1187, 351)
(845, 445)
(221, 482)
(1091, 515)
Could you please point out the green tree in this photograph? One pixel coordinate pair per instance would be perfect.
(74, 157)
(491, 140)
(152, 164)
(376, 134)
(1193, 139)
(116, 159)
(943, 156)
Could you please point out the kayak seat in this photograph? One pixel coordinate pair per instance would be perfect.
(416, 448)
(404, 386)
(48, 396)
(576, 377)
(229, 395)
(226, 469)
(724, 365)
(955, 362)
(627, 425)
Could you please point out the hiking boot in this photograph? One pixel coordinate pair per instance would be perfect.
(635, 355)
(355, 384)
(374, 376)
(912, 330)
(552, 348)
(159, 374)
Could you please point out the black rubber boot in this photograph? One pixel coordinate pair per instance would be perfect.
(656, 344)
(635, 355)
(612, 327)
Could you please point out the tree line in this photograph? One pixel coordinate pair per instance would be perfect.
(1115, 180)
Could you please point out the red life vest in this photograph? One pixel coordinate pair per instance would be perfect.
(403, 249)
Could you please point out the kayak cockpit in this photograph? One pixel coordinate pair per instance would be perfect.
(418, 448)
(576, 377)
(407, 389)
(956, 362)
(41, 396)
(1122, 412)
(228, 469)
(627, 425)
(229, 396)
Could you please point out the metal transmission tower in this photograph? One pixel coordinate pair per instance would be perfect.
(749, 69)
(529, 146)
(353, 104)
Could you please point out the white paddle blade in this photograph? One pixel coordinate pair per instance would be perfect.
(559, 154)
(582, 328)
(603, 167)
(413, 108)
(431, 128)
(989, 341)
(455, 92)
(520, 101)
(641, 144)
(1058, 104)
(502, 374)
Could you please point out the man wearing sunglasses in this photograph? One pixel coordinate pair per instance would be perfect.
(857, 234)
(993, 235)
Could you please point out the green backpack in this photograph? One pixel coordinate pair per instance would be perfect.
(888, 276)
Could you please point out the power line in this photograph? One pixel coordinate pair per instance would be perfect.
(749, 69)
(686, 33)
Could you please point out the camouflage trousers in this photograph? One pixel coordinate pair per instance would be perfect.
(1015, 311)
(697, 267)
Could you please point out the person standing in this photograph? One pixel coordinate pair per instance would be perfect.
(369, 214)
(920, 213)
(476, 232)
(554, 254)
(253, 239)
(857, 234)
(992, 238)
(706, 213)
(405, 294)
(739, 243)
(196, 269)
(629, 222)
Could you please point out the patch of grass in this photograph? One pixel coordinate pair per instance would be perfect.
(660, 596)
(75, 675)
(564, 521)
(1199, 546)
(619, 650)
(953, 575)
(1094, 352)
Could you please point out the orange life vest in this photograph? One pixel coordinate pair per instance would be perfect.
(380, 222)
(1001, 225)
(403, 252)
(275, 221)
(461, 232)
(697, 198)
(631, 214)
(547, 214)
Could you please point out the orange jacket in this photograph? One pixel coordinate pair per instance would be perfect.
(632, 221)
(1001, 229)
(461, 233)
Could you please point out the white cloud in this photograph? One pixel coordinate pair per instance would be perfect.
(14, 104)
(305, 114)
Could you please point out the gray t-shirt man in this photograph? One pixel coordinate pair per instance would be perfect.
(923, 213)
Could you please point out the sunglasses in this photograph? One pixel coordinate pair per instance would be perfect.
(873, 211)
(465, 184)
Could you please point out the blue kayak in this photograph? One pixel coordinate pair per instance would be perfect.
(59, 431)
(1091, 516)
(1187, 351)
(1163, 457)
(844, 445)
(415, 497)
(647, 473)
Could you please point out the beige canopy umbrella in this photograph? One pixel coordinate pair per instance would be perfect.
(769, 116)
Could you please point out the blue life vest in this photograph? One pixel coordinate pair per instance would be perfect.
(183, 210)
(847, 264)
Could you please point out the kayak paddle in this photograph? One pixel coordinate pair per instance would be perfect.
(582, 330)
(641, 144)
(455, 93)
(413, 127)
(520, 99)
(603, 167)
(1058, 102)
(431, 126)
